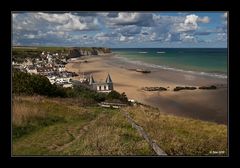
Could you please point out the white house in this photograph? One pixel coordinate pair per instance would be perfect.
(52, 79)
(31, 70)
(49, 57)
(67, 85)
(106, 86)
(61, 68)
(62, 80)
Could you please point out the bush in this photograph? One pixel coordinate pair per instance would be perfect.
(114, 95)
(84, 92)
(24, 83)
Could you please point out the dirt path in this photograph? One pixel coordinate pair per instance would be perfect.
(141, 131)
(77, 137)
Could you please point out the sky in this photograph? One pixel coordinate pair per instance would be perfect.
(120, 29)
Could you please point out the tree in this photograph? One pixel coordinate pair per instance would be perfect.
(124, 97)
(24, 83)
(113, 95)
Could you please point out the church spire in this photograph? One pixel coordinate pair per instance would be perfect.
(108, 80)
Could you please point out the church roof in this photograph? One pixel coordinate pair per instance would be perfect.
(108, 80)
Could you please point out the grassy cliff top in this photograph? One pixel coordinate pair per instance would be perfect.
(59, 126)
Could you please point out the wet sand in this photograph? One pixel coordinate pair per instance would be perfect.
(208, 105)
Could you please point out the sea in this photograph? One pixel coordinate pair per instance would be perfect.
(203, 61)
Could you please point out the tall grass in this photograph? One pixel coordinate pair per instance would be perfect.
(50, 123)
(24, 112)
(181, 136)
(28, 116)
(78, 131)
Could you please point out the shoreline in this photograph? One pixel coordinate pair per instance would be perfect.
(208, 105)
(155, 67)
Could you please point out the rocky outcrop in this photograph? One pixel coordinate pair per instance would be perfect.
(78, 52)
(154, 89)
(208, 87)
(142, 70)
(184, 88)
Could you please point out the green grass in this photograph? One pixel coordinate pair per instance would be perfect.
(60, 126)
(34, 124)
(84, 130)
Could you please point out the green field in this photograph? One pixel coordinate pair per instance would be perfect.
(19, 54)
(43, 126)
(60, 126)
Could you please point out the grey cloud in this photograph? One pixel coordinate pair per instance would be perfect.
(145, 33)
(112, 14)
(202, 33)
(129, 18)
(129, 30)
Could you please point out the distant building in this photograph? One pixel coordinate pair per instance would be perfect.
(67, 85)
(61, 68)
(31, 69)
(106, 86)
(83, 79)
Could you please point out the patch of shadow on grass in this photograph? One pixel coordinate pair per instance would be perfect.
(33, 125)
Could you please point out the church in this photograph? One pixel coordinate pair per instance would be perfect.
(106, 86)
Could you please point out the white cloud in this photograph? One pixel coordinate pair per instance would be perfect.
(80, 27)
(173, 37)
(72, 25)
(191, 23)
(125, 38)
(221, 36)
(59, 21)
(102, 37)
(60, 34)
(187, 38)
(191, 19)
(54, 18)
(129, 30)
(122, 38)
(77, 23)
(204, 19)
(29, 36)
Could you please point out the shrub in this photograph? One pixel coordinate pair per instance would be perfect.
(114, 95)
(24, 83)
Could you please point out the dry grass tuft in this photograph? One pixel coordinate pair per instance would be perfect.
(179, 135)
(23, 111)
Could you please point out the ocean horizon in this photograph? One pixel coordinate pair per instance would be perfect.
(204, 61)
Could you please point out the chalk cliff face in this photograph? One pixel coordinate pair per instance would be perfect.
(78, 52)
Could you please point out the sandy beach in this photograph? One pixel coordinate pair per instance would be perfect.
(208, 105)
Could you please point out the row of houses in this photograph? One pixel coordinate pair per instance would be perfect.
(46, 65)
(56, 73)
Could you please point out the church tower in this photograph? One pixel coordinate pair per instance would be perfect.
(109, 82)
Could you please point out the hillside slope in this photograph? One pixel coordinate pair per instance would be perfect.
(44, 126)
(60, 126)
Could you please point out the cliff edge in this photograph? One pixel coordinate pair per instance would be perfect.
(78, 52)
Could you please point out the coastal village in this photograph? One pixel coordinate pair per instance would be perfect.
(52, 65)
(119, 84)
